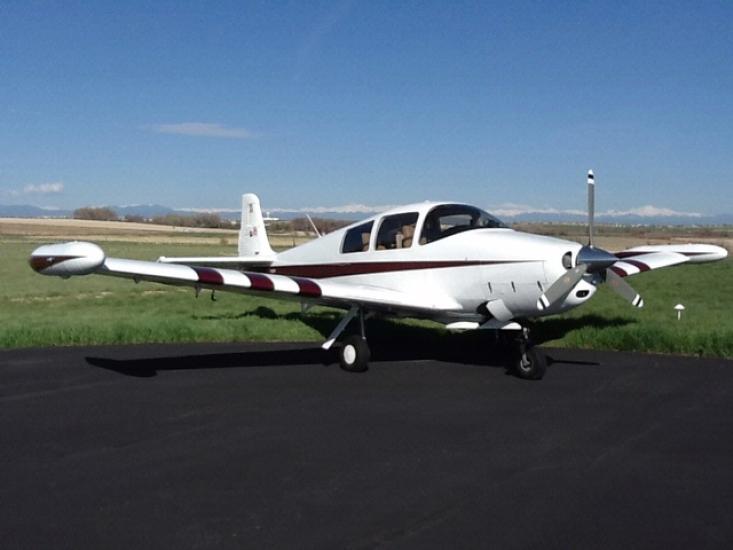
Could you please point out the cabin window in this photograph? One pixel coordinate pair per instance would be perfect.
(448, 219)
(397, 231)
(357, 238)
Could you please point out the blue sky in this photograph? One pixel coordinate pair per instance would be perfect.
(329, 103)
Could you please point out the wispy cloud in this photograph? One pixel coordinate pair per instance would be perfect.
(203, 129)
(46, 188)
(309, 48)
(43, 188)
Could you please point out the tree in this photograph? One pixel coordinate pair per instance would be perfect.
(100, 213)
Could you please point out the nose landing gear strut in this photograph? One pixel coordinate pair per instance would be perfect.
(530, 363)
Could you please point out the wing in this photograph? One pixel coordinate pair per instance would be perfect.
(80, 258)
(236, 262)
(695, 253)
(646, 261)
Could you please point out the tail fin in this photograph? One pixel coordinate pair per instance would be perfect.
(252, 235)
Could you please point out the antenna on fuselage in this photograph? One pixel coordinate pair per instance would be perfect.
(591, 205)
(313, 225)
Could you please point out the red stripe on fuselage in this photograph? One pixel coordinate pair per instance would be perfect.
(260, 282)
(318, 271)
(209, 276)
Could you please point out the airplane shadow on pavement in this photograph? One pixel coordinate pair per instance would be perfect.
(459, 350)
(149, 366)
(389, 341)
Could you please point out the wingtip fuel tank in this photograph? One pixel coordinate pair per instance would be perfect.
(67, 259)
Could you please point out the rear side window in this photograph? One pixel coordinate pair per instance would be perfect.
(357, 238)
(397, 231)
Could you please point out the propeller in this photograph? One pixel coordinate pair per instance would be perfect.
(589, 260)
(623, 288)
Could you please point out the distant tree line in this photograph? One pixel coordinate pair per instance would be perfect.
(96, 213)
(203, 219)
(324, 225)
(207, 220)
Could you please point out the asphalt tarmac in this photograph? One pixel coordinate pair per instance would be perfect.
(261, 446)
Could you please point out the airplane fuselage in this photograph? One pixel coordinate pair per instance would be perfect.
(474, 267)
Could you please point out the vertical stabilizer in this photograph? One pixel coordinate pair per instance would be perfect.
(252, 235)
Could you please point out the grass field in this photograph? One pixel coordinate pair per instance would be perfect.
(45, 311)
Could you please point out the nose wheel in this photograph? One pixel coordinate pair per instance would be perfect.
(531, 362)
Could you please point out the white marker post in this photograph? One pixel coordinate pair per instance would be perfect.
(680, 308)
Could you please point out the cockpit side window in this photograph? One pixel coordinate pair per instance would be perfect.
(357, 238)
(448, 219)
(396, 231)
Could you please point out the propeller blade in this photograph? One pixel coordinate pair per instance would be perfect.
(591, 205)
(621, 287)
(560, 288)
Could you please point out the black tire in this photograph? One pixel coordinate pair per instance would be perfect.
(531, 365)
(354, 354)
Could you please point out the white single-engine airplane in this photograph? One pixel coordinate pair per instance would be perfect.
(451, 263)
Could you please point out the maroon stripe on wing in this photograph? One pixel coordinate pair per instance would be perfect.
(630, 253)
(260, 282)
(209, 276)
(618, 271)
(306, 287)
(640, 265)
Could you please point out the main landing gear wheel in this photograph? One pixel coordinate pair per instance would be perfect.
(354, 354)
(531, 364)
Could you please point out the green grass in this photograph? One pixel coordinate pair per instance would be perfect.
(47, 311)
(608, 322)
(41, 311)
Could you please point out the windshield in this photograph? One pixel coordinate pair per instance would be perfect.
(449, 219)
